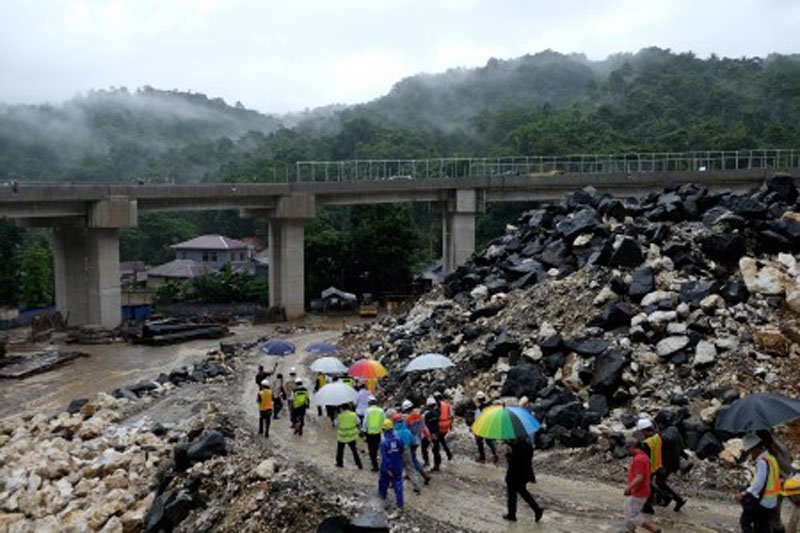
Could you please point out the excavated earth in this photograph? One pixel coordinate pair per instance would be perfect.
(591, 312)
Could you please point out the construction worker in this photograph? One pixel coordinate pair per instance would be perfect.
(347, 380)
(264, 408)
(760, 500)
(362, 402)
(372, 426)
(300, 403)
(372, 384)
(391, 464)
(346, 434)
(318, 384)
(480, 405)
(432, 417)
(416, 425)
(288, 391)
(413, 471)
(445, 423)
(653, 446)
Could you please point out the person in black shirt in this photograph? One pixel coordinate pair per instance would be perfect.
(518, 475)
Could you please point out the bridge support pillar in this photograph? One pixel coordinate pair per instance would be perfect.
(287, 253)
(87, 275)
(458, 228)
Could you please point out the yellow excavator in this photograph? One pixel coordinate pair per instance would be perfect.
(368, 307)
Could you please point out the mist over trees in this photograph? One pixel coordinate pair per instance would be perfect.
(542, 104)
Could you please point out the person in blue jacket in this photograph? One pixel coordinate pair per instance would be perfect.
(413, 470)
(391, 464)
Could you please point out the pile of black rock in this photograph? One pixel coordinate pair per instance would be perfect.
(596, 309)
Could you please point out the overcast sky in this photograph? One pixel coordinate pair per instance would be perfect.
(277, 56)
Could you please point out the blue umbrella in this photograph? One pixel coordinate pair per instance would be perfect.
(323, 347)
(277, 347)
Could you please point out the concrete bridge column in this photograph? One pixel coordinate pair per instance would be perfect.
(287, 253)
(86, 264)
(458, 228)
(87, 275)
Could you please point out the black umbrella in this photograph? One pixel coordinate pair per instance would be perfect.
(763, 410)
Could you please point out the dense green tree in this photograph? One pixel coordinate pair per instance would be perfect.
(36, 276)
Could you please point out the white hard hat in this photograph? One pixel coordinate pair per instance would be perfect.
(644, 423)
(406, 405)
(430, 401)
(750, 441)
(480, 395)
(298, 381)
(293, 370)
(265, 383)
(372, 399)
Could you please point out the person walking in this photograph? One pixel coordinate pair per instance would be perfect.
(319, 382)
(412, 470)
(300, 403)
(279, 395)
(391, 471)
(346, 434)
(518, 475)
(760, 500)
(288, 392)
(362, 402)
(261, 375)
(416, 426)
(481, 404)
(637, 490)
(653, 447)
(264, 408)
(445, 423)
(372, 427)
(432, 417)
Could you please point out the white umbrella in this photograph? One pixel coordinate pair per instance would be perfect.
(329, 365)
(428, 361)
(336, 393)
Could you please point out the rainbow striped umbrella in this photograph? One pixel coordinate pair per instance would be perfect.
(367, 369)
(505, 423)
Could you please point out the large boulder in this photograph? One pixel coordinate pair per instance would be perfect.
(626, 253)
(587, 346)
(608, 368)
(524, 380)
(783, 186)
(643, 283)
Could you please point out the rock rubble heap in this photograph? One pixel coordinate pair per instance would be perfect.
(597, 309)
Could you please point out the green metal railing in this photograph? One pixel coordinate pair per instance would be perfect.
(632, 163)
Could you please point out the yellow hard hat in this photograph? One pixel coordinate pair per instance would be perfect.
(387, 424)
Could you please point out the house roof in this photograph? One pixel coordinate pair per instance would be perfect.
(257, 244)
(179, 268)
(211, 242)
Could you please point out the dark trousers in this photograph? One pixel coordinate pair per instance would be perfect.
(755, 519)
(659, 482)
(340, 453)
(298, 419)
(443, 443)
(264, 418)
(373, 444)
(278, 404)
(331, 411)
(514, 488)
(481, 449)
(437, 454)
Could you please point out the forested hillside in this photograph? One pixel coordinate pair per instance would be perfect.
(542, 104)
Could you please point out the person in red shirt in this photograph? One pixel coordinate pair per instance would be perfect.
(638, 489)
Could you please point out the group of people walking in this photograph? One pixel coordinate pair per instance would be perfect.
(272, 396)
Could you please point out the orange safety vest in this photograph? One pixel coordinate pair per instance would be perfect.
(654, 443)
(266, 399)
(445, 418)
(773, 483)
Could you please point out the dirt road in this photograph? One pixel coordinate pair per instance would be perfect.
(468, 495)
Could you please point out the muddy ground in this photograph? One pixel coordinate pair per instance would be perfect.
(579, 492)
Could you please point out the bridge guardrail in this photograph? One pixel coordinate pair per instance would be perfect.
(403, 169)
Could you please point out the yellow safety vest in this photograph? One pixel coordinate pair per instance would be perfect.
(375, 417)
(266, 399)
(321, 380)
(654, 443)
(773, 487)
(348, 426)
(348, 381)
(300, 398)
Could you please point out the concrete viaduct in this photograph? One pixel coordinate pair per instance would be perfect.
(86, 219)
